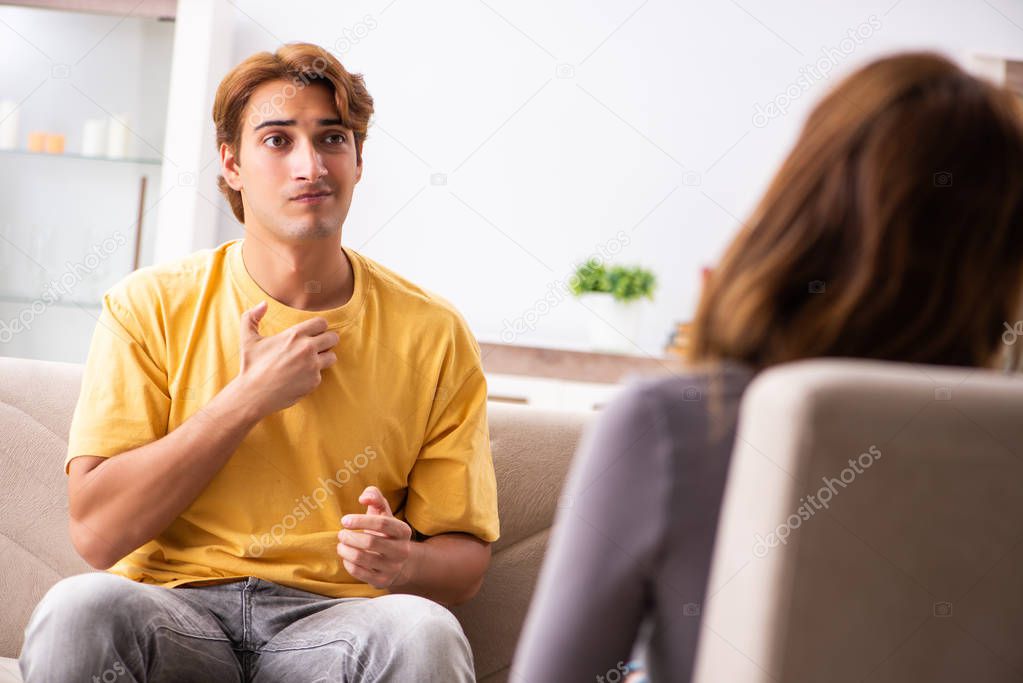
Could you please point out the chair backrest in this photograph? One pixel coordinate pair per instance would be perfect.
(871, 530)
(532, 450)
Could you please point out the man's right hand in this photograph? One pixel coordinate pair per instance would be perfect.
(277, 371)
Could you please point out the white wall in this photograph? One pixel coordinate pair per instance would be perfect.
(651, 132)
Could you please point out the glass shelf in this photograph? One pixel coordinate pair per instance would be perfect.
(81, 157)
(10, 298)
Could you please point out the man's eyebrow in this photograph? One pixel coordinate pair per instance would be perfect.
(291, 122)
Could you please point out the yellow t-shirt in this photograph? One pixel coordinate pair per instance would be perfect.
(403, 408)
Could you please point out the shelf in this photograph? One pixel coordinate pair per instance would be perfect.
(164, 10)
(1004, 70)
(579, 366)
(80, 157)
(66, 303)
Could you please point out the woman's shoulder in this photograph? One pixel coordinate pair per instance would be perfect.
(687, 409)
(690, 390)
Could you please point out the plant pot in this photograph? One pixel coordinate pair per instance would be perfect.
(613, 325)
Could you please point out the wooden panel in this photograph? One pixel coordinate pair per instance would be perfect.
(581, 366)
(150, 9)
(1014, 77)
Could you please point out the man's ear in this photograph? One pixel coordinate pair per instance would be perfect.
(358, 169)
(229, 166)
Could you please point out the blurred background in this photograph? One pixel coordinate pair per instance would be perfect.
(512, 142)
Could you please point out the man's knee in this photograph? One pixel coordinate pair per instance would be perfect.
(86, 600)
(432, 644)
(393, 637)
(71, 628)
(89, 591)
(426, 623)
(109, 625)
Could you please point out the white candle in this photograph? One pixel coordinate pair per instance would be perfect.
(94, 138)
(117, 137)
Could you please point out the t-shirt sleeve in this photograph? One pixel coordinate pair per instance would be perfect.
(124, 401)
(452, 487)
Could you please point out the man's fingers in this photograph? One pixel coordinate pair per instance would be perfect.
(326, 341)
(326, 359)
(370, 542)
(370, 495)
(362, 558)
(389, 526)
(250, 321)
(353, 567)
(366, 522)
(373, 498)
(311, 327)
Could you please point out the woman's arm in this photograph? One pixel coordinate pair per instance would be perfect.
(594, 586)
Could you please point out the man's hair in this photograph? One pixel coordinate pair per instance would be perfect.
(894, 230)
(301, 65)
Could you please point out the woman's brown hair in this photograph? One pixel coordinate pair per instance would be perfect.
(300, 64)
(893, 230)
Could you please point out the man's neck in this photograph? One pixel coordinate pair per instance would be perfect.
(311, 276)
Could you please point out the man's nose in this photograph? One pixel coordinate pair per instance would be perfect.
(307, 162)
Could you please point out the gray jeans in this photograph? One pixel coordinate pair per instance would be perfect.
(104, 628)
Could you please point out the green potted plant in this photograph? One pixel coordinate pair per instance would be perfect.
(612, 296)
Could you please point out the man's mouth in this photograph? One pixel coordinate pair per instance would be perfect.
(311, 197)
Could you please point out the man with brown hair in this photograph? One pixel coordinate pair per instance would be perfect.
(280, 452)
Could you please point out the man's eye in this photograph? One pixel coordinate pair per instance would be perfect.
(274, 137)
(336, 138)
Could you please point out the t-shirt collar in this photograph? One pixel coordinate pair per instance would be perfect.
(280, 316)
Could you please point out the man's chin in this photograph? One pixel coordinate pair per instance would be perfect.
(310, 230)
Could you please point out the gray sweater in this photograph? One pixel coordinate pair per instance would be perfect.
(632, 541)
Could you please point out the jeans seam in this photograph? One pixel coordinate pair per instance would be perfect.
(350, 643)
(246, 597)
(360, 654)
(189, 635)
(197, 637)
(246, 616)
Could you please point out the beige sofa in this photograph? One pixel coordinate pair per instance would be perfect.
(912, 572)
(532, 450)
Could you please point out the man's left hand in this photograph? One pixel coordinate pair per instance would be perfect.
(376, 547)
